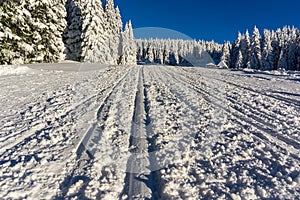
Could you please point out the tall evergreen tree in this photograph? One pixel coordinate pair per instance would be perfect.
(284, 45)
(127, 49)
(226, 53)
(94, 46)
(267, 51)
(239, 60)
(235, 50)
(26, 33)
(255, 59)
(113, 30)
(246, 50)
(276, 48)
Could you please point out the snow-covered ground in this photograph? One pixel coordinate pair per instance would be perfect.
(112, 132)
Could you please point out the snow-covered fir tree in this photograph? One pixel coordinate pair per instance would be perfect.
(113, 28)
(178, 52)
(235, 49)
(267, 59)
(239, 60)
(26, 33)
(127, 48)
(85, 35)
(255, 59)
(226, 53)
(275, 50)
(284, 44)
(53, 30)
(246, 50)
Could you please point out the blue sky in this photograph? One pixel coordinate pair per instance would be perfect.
(211, 19)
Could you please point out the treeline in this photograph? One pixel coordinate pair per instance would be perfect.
(54, 30)
(272, 50)
(178, 52)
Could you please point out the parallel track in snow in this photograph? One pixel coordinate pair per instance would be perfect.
(138, 161)
(147, 133)
(268, 131)
(87, 146)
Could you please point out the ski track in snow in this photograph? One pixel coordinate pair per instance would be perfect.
(149, 132)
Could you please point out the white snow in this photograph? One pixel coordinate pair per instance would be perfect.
(222, 65)
(6, 70)
(75, 130)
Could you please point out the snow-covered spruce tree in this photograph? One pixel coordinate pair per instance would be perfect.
(127, 46)
(276, 48)
(267, 59)
(94, 46)
(31, 31)
(166, 53)
(72, 35)
(235, 50)
(85, 37)
(158, 54)
(239, 60)
(298, 52)
(246, 51)
(293, 50)
(255, 59)
(284, 45)
(226, 53)
(173, 55)
(149, 56)
(177, 52)
(113, 30)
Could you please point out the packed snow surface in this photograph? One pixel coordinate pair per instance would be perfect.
(89, 131)
(14, 70)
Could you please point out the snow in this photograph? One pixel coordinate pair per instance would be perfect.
(223, 65)
(78, 130)
(6, 70)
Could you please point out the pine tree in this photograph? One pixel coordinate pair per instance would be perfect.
(94, 46)
(149, 56)
(127, 48)
(235, 50)
(276, 48)
(292, 50)
(72, 35)
(27, 34)
(92, 34)
(267, 51)
(113, 30)
(226, 53)
(284, 45)
(255, 59)
(239, 61)
(246, 50)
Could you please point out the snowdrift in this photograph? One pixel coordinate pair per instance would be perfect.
(6, 70)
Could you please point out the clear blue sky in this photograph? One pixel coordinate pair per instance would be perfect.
(211, 19)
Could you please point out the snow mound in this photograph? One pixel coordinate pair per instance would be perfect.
(223, 65)
(6, 70)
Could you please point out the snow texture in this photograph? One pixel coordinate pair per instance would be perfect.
(14, 70)
(68, 131)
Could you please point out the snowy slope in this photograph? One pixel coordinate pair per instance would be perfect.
(109, 132)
